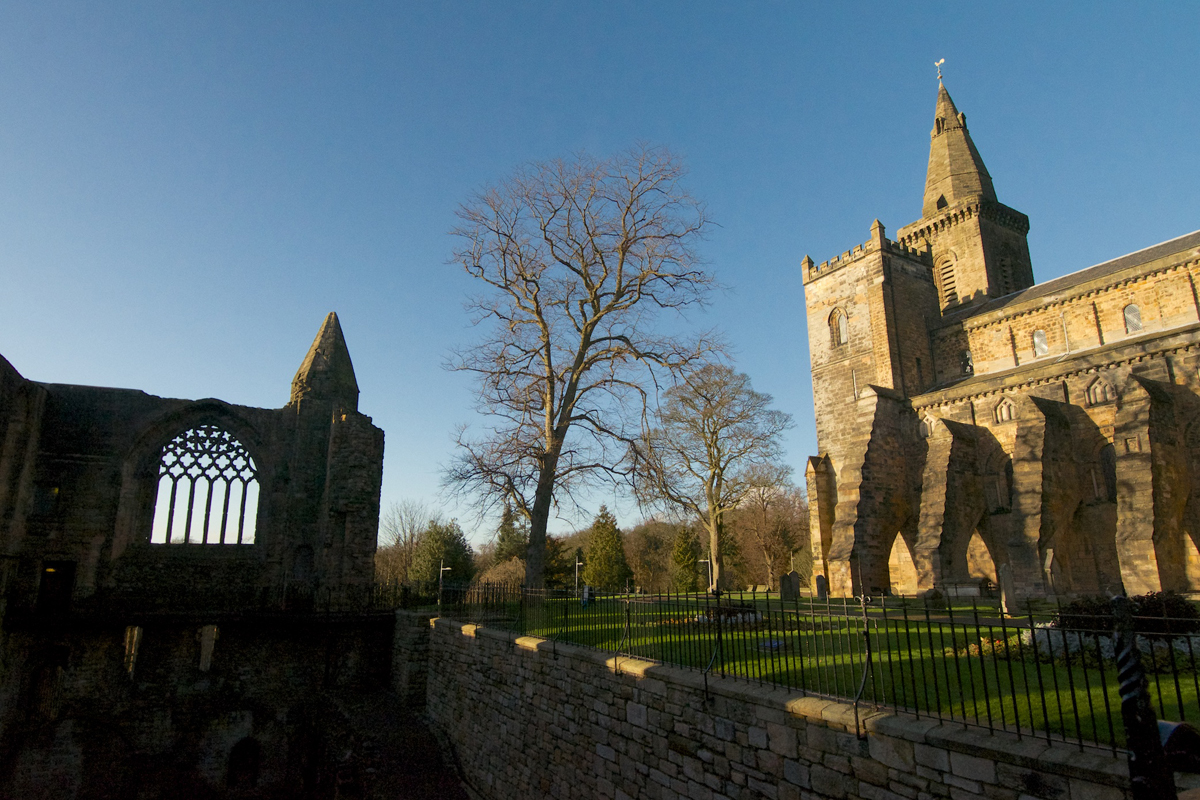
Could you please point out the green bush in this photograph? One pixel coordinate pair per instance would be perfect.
(1156, 613)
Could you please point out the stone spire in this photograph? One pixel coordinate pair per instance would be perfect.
(956, 172)
(327, 373)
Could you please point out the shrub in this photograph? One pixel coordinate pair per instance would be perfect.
(1165, 613)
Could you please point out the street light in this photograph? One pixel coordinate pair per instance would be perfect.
(709, 562)
(442, 569)
(578, 564)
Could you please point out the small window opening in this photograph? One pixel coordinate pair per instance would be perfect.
(1133, 318)
(968, 363)
(208, 641)
(941, 201)
(926, 429)
(207, 490)
(133, 641)
(1040, 345)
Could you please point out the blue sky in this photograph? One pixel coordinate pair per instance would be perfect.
(187, 189)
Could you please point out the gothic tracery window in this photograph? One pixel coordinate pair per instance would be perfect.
(207, 490)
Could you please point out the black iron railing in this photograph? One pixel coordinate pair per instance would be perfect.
(1037, 673)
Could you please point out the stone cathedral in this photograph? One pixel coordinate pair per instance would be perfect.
(974, 426)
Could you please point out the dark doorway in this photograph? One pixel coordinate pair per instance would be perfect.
(244, 760)
(56, 586)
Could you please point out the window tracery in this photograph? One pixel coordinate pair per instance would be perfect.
(207, 490)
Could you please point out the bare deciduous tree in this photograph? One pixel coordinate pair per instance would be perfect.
(714, 433)
(771, 518)
(400, 527)
(577, 257)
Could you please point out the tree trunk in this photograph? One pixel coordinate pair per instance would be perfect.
(535, 555)
(715, 562)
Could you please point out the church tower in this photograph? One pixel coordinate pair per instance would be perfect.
(978, 244)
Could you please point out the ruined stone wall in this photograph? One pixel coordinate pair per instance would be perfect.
(79, 478)
(75, 718)
(531, 719)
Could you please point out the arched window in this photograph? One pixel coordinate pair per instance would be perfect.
(1005, 410)
(968, 363)
(1040, 345)
(926, 428)
(839, 327)
(207, 490)
(1133, 318)
(1100, 392)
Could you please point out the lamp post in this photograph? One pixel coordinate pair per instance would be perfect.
(578, 564)
(442, 570)
(709, 562)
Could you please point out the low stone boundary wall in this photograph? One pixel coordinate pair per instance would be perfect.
(531, 718)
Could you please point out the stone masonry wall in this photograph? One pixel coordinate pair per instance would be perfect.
(531, 718)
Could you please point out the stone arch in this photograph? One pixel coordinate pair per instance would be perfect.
(981, 565)
(140, 471)
(902, 568)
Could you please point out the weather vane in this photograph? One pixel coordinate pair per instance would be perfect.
(938, 64)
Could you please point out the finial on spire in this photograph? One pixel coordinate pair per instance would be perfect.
(938, 64)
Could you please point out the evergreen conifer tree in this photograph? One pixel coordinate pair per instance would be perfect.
(685, 571)
(512, 537)
(442, 544)
(606, 567)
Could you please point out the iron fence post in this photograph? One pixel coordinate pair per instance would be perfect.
(1150, 777)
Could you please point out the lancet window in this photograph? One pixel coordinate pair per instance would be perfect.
(839, 327)
(207, 490)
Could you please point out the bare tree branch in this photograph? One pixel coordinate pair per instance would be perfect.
(578, 257)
